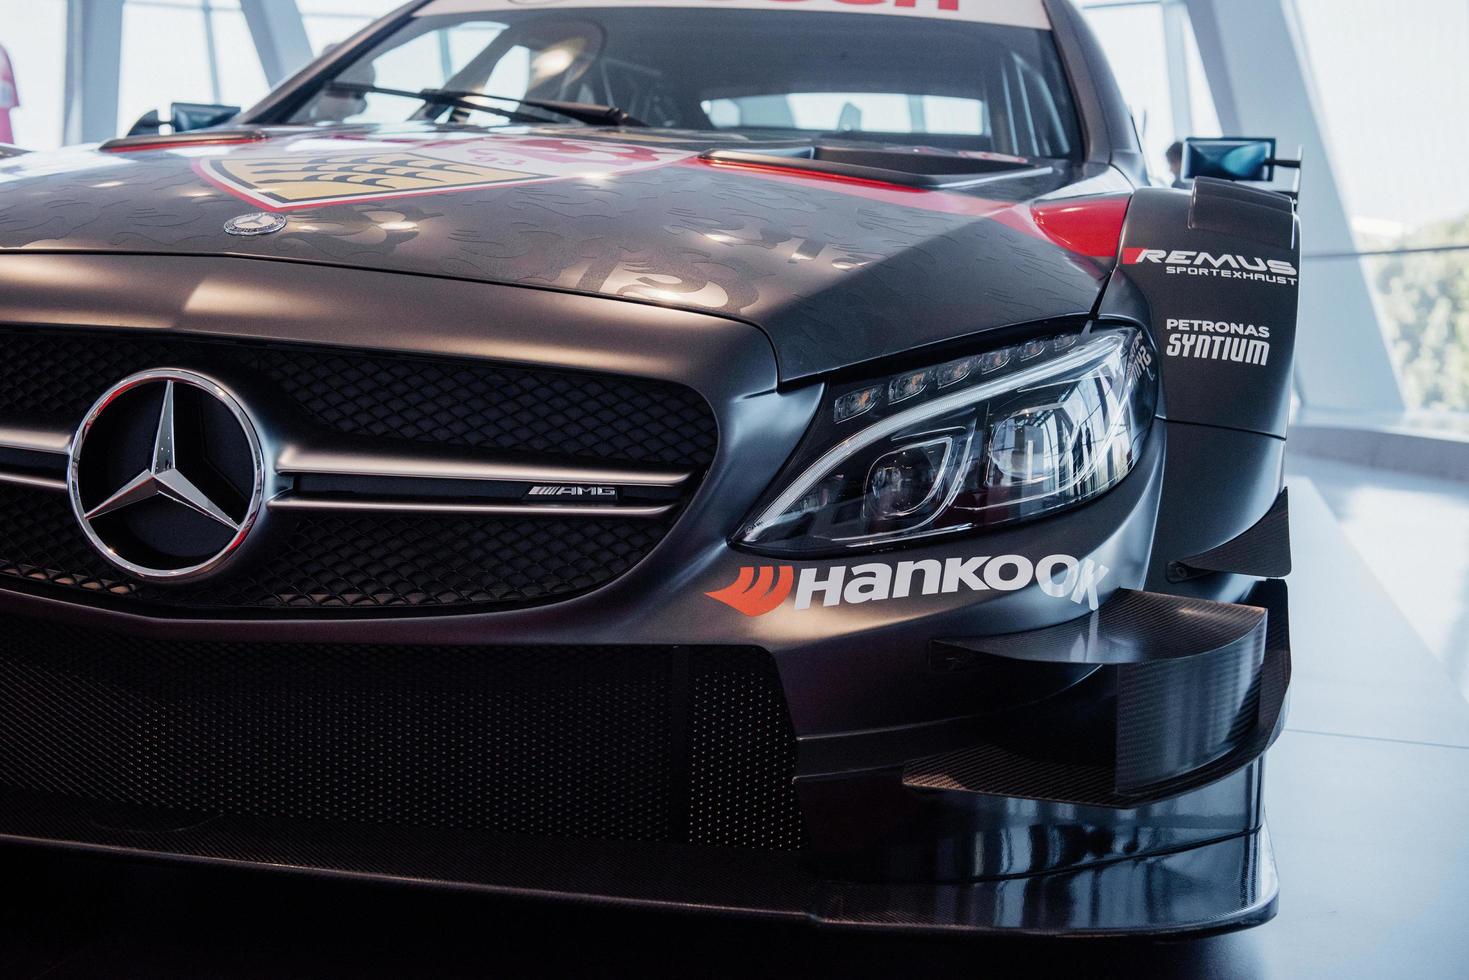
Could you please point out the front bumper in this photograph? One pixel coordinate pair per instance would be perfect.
(1127, 819)
(886, 704)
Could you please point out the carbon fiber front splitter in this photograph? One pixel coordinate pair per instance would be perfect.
(1128, 803)
(1222, 885)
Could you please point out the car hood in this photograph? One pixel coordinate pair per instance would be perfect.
(836, 269)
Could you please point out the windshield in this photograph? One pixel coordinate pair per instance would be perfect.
(912, 78)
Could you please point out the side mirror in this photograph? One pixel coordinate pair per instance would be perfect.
(148, 124)
(187, 116)
(184, 117)
(1230, 159)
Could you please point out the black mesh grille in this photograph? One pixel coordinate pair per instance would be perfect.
(337, 562)
(566, 742)
(54, 377)
(366, 561)
(732, 803)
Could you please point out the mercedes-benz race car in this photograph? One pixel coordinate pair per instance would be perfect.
(745, 455)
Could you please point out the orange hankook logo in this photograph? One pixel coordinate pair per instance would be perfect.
(757, 593)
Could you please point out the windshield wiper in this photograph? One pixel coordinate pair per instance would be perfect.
(583, 112)
(588, 112)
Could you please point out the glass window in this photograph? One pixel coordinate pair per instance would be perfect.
(965, 85)
(1423, 304)
(330, 22)
(1397, 157)
(164, 59)
(1397, 160)
(852, 112)
(34, 35)
(221, 67)
(241, 79)
(1168, 104)
(1132, 36)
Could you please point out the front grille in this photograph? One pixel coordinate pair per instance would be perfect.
(55, 377)
(343, 561)
(366, 561)
(657, 744)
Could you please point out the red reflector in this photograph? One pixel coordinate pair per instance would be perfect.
(797, 171)
(1090, 227)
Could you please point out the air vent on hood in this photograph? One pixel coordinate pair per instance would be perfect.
(908, 168)
(180, 141)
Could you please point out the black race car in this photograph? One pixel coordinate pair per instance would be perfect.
(747, 455)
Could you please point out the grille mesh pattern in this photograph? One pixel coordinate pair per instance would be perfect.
(367, 561)
(349, 561)
(725, 770)
(55, 377)
(563, 742)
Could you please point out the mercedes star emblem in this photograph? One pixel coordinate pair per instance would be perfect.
(255, 223)
(166, 475)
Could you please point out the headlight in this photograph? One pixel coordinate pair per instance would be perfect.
(975, 443)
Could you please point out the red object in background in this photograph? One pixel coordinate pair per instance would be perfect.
(9, 97)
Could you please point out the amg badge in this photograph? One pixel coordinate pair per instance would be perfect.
(573, 492)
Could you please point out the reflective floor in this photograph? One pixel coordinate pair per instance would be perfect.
(1368, 800)
(1413, 532)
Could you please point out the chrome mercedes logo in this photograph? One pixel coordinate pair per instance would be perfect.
(255, 223)
(166, 475)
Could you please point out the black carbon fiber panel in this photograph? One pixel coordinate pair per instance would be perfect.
(1226, 884)
(1178, 715)
(54, 376)
(1133, 627)
(1197, 691)
(339, 562)
(1262, 551)
(1252, 213)
(1001, 771)
(767, 883)
(1223, 885)
(587, 743)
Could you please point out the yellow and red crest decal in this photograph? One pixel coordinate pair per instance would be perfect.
(314, 172)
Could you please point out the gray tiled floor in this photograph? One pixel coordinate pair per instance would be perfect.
(1368, 800)
(1412, 532)
(1360, 666)
(1373, 851)
(1367, 792)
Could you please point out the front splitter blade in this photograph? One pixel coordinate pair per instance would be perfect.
(1218, 886)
